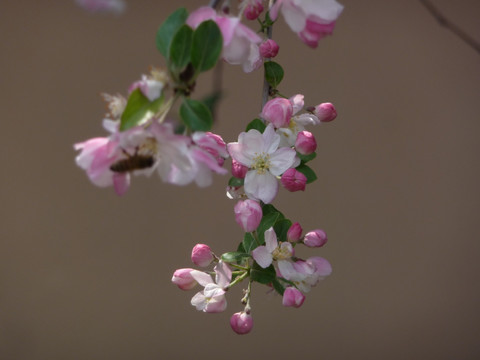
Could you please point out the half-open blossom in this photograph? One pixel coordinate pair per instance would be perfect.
(293, 297)
(240, 43)
(248, 214)
(315, 238)
(202, 255)
(264, 255)
(277, 111)
(241, 323)
(305, 274)
(310, 19)
(184, 279)
(293, 180)
(212, 298)
(265, 160)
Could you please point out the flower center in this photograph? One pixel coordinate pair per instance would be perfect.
(282, 253)
(261, 163)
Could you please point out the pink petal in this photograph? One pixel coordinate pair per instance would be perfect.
(271, 240)
(262, 256)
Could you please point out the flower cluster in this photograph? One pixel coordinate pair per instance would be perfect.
(145, 136)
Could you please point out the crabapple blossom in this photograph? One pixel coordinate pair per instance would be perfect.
(202, 255)
(238, 170)
(264, 255)
(305, 274)
(253, 9)
(322, 266)
(241, 323)
(248, 214)
(184, 279)
(265, 160)
(315, 238)
(212, 298)
(293, 180)
(240, 43)
(293, 297)
(325, 112)
(305, 143)
(310, 19)
(277, 111)
(269, 49)
(294, 233)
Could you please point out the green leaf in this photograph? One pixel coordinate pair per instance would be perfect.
(306, 158)
(256, 124)
(207, 46)
(249, 242)
(273, 73)
(167, 30)
(267, 222)
(262, 276)
(235, 182)
(281, 228)
(269, 208)
(234, 257)
(138, 110)
(308, 172)
(180, 48)
(195, 115)
(240, 248)
(278, 286)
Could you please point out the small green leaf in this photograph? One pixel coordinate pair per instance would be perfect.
(180, 48)
(269, 208)
(262, 276)
(138, 110)
(167, 30)
(256, 124)
(207, 46)
(273, 73)
(281, 228)
(234, 257)
(266, 223)
(306, 158)
(278, 286)
(196, 115)
(240, 248)
(235, 182)
(249, 242)
(308, 172)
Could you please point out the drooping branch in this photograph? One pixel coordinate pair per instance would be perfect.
(443, 21)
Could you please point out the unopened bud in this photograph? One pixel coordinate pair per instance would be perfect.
(293, 297)
(183, 279)
(253, 10)
(241, 323)
(269, 49)
(315, 238)
(238, 170)
(305, 143)
(294, 233)
(248, 214)
(202, 255)
(293, 180)
(278, 111)
(325, 112)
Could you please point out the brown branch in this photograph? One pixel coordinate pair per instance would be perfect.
(443, 21)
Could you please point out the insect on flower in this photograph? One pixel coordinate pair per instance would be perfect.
(143, 158)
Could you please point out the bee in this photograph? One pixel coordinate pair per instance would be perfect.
(133, 162)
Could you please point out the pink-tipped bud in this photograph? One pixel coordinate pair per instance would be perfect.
(183, 279)
(278, 111)
(305, 143)
(293, 297)
(293, 180)
(325, 112)
(241, 323)
(248, 214)
(294, 233)
(202, 255)
(253, 10)
(269, 49)
(315, 238)
(238, 170)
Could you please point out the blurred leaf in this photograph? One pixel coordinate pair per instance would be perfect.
(306, 158)
(207, 46)
(234, 257)
(167, 30)
(235, 182)
(308, 172)
(278, 286)
(180, 48)
(196, 115)
(273, 73)
(267, 222)
(138, 110)
(281, 228)
(256, 124)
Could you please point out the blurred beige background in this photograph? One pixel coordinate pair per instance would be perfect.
(85, 274)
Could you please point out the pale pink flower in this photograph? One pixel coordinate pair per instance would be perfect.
(212, 298)
(315, 238)
(293, 297)
(184, 279)
(248, 214)
(115, 6)
(241, 323)
(305, 274)
(264, 255)
(240, 43)
(202, 255)
(265, 160)
(310, 19)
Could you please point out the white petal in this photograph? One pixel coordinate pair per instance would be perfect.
(201, 277)
(261, 186)
(198, 300)
(262, 256)
(282, 160)
(270, 140)
(271, 240)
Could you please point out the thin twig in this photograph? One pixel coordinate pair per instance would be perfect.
(266, 85)
(443, 21)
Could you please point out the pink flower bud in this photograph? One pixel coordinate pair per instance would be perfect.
(248, 214)
(322, 266)
(278, 111)
(253, 10)
(238, 170)
(293, 297)
(241, 323)
(325, 112)
(293, 180)
(294, 233)
(305, 143)
(202, 255)
(315, 238)
(183, 279)
(269, 49)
